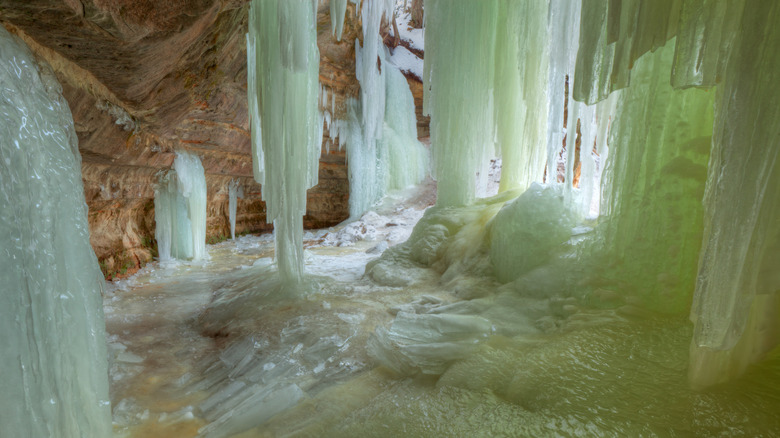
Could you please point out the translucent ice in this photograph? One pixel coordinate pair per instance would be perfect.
(180, 210)
(53, 354)
(283, 86)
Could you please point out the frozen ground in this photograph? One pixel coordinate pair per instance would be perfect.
(427, 344)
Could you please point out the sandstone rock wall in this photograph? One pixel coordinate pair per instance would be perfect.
(147, 78)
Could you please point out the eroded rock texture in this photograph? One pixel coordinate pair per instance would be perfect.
(145, 78)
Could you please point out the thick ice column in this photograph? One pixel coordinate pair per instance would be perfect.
(458, 78)
(283, 62)
(53, 350)
(192, 186)
(180, 210)
(520, 90)
(737, 298)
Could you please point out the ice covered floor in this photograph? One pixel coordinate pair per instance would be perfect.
(219, 348)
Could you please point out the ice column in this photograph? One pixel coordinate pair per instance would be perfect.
(235, 191)
(180, 210)
(458, 79)
(338, 9)
(283, 86)
(736, 307)
(380, 131)
(53, 350)
(654, 181)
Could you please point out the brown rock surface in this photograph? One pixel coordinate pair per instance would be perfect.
(145, 78)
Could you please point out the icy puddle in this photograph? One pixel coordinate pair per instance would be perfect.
(221, 349)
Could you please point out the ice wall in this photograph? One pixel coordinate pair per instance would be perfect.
(338, 8)
(53, 353)
(635, 73)
(520, 92)
(736, 306)
(180, 210)
(283, 64)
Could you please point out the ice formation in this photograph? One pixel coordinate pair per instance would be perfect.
(180, 210)
(235, 191)
(53, 355)
(283, 87)
(338, 8)
(380, 130)
(634, 70)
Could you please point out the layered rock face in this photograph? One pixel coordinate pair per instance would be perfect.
(145, 79)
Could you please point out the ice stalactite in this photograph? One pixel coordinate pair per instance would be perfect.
(338, 9)
(180, 210)
(235, 191)
(458, 78)
(53, 355)
(283, 64)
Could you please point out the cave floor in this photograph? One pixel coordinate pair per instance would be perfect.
(218, 348)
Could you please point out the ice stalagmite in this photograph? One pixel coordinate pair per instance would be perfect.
(52, 353)
(180, 210)
(458, 78)
(283, 62)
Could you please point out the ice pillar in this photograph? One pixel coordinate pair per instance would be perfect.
(283, 62)
(458, 79)
(53, 349)
(235, 191)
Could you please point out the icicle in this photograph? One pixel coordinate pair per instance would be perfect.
(338, 9)
(53, 357)
(283, 64)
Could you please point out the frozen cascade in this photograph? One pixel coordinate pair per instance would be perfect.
(235, 191)
(53, 355)
(380, 129)
(180, 210)
(283, 87)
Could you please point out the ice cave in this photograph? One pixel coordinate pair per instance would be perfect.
(390, 218)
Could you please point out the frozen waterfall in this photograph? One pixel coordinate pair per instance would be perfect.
(283, 61)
